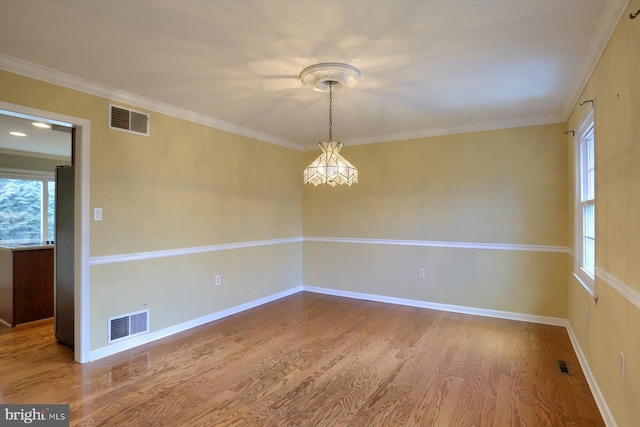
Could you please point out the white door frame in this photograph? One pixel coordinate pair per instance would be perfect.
(81, 223)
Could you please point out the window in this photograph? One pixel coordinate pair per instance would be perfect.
(27, 205)
(585, 209)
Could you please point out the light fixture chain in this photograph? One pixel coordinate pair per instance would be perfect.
(330, 108)
(330, 167)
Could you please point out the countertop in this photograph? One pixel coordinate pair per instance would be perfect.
(26, 246)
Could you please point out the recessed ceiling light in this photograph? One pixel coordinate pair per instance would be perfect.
(18, 134)
(41, 125)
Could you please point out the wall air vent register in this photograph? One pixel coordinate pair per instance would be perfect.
(128, 325)
(128, 120)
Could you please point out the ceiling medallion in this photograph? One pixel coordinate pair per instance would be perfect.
(319, 75)
(330, 167)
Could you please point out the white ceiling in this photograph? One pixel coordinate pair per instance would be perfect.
(51, 143)
(428, 67)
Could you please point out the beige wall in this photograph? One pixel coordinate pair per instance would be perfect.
(504, 186)
(512, 281)
(210, 186)
(614, 322)
(185, 186)
(180, 288)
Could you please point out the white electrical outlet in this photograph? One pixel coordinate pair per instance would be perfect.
(586, 314)
(421, 272)
(218, 280)
(622, 367)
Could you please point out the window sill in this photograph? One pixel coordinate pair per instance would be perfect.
(587, 288)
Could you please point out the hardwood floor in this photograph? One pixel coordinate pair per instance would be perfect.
(313, 360)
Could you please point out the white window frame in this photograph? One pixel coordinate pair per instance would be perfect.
(45, 178)
(582, 199)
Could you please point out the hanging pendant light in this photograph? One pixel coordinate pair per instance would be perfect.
(330, 167)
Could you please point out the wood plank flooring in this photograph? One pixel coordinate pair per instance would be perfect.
(313, 360)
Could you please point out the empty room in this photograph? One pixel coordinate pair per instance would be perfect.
(320, 213)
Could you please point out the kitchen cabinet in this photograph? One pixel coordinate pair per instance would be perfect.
(26, 284)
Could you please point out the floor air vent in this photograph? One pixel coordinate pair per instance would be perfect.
(128, 325)
(563, 367)
(128, 120)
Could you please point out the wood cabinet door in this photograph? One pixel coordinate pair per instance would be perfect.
(32, 285)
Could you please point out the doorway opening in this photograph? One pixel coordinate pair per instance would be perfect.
(79, 154)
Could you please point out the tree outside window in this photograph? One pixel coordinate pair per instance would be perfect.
(27, 208)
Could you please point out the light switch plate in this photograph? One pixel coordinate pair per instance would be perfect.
(97, 214)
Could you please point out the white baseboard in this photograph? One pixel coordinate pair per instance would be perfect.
(163, 333)
(607, 416)
(545, 320)
(5, 323)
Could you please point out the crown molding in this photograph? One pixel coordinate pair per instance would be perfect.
(38, 72)
(455, 130)
(611, 13)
